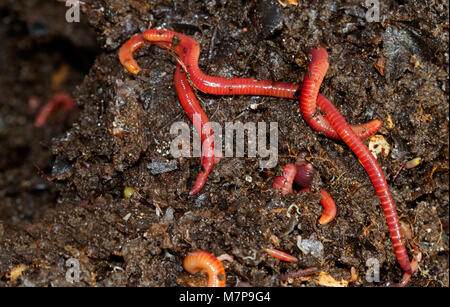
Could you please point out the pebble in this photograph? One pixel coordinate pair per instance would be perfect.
(162, 167)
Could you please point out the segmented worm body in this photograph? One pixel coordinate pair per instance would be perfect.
(304, 171)
(319, 64)
(189, 51)
(284, 183)
(304, 176)
(329, 206)
(203, 261)
(280, 255)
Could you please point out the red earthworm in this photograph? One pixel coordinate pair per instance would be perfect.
(280, 255)
(284, 183)
(188, 101)
(317, 69)
(126, 53)
(408, 165)
(398, 172)
(369, 162)
(203, 261)
(188, 50)
(417, 257)
(303, 178)
(202, 125)
(414, 266)
(58, 100)
(242, 86)
(43, 175)
(225, 257)
(329, 206)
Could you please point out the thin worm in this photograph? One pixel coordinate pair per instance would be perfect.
(329, 206)
(284, 184)
(280, 255)
(301, 273)
(375, 173)
(58, 100)
(188, 50)
(188, 101)
(305, 173)
(309, 101)
(203, 261)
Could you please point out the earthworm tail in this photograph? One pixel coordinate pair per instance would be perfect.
(376, 176)
(203, 127)
(284, 184)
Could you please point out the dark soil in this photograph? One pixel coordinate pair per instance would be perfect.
(395, 70)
